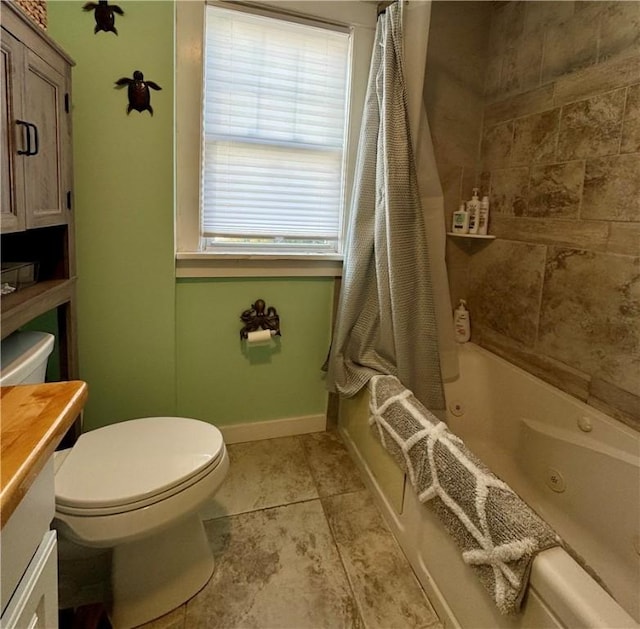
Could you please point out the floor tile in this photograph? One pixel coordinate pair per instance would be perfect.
(331, 466)
(386, 589)
(285, 559)
(276, 569)
(262, 474)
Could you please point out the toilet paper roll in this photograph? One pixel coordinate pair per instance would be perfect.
(261, 337)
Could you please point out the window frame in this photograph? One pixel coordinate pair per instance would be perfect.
(191, 261)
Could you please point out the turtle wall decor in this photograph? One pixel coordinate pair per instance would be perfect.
(138, 92)
(103, 12)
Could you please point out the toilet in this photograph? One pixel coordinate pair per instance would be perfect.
(137, 487)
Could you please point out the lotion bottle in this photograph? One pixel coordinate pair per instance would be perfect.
(473, 207)
(460, 221)
(483, 216)
(461, 323)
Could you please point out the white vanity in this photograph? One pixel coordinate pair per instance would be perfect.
(34, 420)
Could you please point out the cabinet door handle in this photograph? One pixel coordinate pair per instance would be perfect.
(28, 128)
(37, 142)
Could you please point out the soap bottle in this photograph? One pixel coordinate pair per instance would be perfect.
(461, 323)
(460, 221)
(483, 216)
(473, 207)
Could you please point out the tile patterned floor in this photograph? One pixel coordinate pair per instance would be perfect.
(300, 544)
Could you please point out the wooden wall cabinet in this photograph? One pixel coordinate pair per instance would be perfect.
(36, 191)
(36, 134)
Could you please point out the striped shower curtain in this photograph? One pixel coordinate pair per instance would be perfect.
(386, 319)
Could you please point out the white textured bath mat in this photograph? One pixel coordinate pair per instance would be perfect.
(498, 533)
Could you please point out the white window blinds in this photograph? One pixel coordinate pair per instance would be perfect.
(274, 130)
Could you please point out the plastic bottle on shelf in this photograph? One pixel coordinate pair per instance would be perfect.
(473, 207)
(462, 323)
(483, 216)
(460, 221)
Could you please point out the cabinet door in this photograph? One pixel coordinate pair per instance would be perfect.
(12, 135)
(45, 171)
(34, 604)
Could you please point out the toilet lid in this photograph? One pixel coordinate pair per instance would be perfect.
(133, 460)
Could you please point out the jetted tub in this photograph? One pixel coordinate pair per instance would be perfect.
(578, 468)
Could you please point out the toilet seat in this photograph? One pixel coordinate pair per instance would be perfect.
(133, 464)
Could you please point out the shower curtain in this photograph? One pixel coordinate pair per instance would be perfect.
(386, 319)
(416, 20)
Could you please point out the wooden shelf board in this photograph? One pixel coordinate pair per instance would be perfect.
(20, 307)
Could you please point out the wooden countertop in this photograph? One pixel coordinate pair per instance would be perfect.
(34, 418)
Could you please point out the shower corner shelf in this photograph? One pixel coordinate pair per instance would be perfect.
(477, 236)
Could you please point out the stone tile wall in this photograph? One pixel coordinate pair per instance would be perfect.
(558, 291)
(454, 98)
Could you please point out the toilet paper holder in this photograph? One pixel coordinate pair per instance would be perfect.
(255, 318)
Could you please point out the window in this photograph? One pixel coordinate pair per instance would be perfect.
(268, 103)
(275, 99)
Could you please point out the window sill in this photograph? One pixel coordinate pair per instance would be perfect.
(207, 264)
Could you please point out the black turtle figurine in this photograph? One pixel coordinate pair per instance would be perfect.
(104, 15)
(138, 91)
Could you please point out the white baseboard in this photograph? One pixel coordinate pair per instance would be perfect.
(256, 431)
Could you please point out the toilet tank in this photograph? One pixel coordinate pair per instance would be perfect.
(24, 356)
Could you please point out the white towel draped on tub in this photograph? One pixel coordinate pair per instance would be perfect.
(498, 533)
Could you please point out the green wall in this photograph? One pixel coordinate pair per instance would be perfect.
(149, 344)
(223, 381)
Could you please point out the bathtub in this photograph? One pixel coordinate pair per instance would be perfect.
(578, 468)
